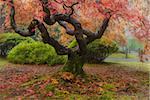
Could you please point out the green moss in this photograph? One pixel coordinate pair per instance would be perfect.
(108, 86)
(75, 65)
(107, 95)
(50, 87)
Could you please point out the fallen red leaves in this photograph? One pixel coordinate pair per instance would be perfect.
(104, 78)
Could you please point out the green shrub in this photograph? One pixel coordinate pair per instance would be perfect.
(31, 53)
(34, 53)
(98, 50)
(59, 59)
(10, 40)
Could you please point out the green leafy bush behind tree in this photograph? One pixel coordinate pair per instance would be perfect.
(35, 53)
(98, 50)
(10, 40)
(31, 52)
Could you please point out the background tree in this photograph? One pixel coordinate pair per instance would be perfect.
(44, 13)
(2, 13)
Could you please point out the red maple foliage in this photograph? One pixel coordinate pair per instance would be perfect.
(120, 10)
(125, 14)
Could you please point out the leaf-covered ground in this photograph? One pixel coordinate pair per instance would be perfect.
(102, 82)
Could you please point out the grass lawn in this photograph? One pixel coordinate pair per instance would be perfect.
(137, 65)
(131, 62)
(133, 65)
(120, 55)
(3, 62)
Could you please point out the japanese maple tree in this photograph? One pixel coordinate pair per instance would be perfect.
(89, 20)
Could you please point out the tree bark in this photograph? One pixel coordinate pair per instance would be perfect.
(76, 58)
(75, 64)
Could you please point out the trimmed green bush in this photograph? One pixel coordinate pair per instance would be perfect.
(31, 53)
(10, 40)
(59, 59)
(34, 53)
(98, 50)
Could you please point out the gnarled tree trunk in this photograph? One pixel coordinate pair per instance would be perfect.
(76, 58)
(75, 64)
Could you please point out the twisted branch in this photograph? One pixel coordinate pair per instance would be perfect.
(31, 31)
(62, 19)
(71, 7)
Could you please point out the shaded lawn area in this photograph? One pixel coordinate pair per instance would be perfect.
(132, 62)
(121, 55)
(3, 62)
(121, 81)
(139, 66)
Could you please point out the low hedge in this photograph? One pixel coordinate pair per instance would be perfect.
(10, 40)
(58, 59)
(35, 53)
(98, 50)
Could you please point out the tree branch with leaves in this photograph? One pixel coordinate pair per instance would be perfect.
(67, 13)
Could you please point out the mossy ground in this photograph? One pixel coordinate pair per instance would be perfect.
(3, 62)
